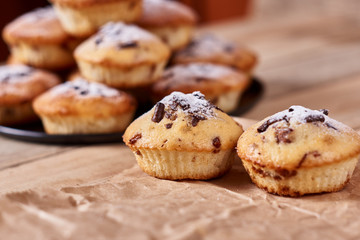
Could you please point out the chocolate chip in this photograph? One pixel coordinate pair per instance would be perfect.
(138, 153)
(282, 135)
(330, 126)
(200, 79)
(132, 5)
(171, 116)
(129, 45)
(158, 113)
(196, 119)
(174, 105)
(277, 178)
(168, 75)
(134, 139)
(291, 109)
(267, 124)
(76, 87)
(216, 150)
(98, 41)
(184, 106)
(324, 111)
(165, 39)
(286, 173)
(314, 153)
(193, 43)
(216, 142)
(168, 125)
(260, 172)
(229, 48)
(199, 96)
(314, 118)
(84, 92)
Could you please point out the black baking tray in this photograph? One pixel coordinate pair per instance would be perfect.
(35, 132)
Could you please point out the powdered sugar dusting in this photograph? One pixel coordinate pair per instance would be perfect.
(206, 46)
(298, 114)
(115, 34)
(84, 88)
(198, 70)
(193, 103)
(40, 13)
(13, 73)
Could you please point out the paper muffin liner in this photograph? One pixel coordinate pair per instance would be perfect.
(50, 56)
(78, 124)
(118, 77)
(84, 21)
(228, 101)
(175, 37)
(175, 165)
(329, 178)
(16, 114)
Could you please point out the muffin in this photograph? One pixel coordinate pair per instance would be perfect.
(82, 18)
(122, 56)
(81, 107)
(212, 49)
(221, 85)
(19, 85)
(172, 21)
(183, 137)
(299, 151)
(37, 39)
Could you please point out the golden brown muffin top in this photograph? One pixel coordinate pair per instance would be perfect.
(84, 3)
(161, 13)
(213, 49)
(82, 98)
(183, 122)
(121, 45)
(40, 26)
(20, 83)
(298, 137)
(210, 79)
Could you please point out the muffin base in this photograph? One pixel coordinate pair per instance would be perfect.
(84, 21)
(17, 114)
(227, 101)
(177, 165)
(122, 78)
(175, 37)
(328, 178)
(47, 56)
(86, 125)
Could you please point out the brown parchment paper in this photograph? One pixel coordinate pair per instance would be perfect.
(133, 205)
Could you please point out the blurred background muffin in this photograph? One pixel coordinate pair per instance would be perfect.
(171, 21)
(38, 39)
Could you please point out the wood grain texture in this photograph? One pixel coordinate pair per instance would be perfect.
(72, 166)
(305, 60)
(14, 153)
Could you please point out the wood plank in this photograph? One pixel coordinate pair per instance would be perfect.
(80, 165)
(341, 98)
(14, 152)
(300, 54)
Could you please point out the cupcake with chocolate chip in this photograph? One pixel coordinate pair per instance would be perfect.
(171, 21)
(299, 151)
(184, 137)
(209, 48)
(122, 56)
(82, 18)
(221, 85)
(81, 107)
(19, 86)
(38, 39)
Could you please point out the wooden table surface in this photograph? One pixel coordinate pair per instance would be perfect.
(305, 60)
